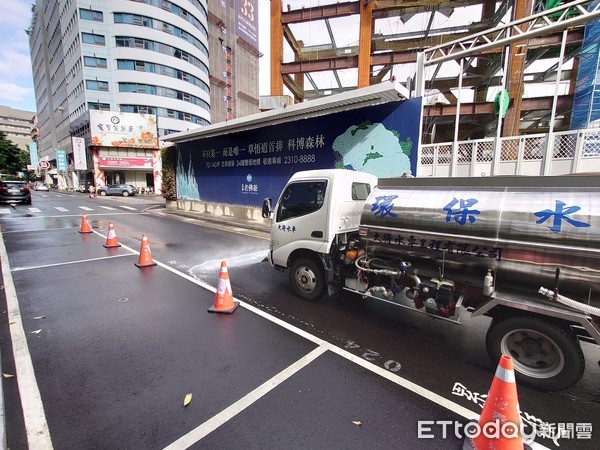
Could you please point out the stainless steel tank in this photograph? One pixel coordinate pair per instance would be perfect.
(522, 228)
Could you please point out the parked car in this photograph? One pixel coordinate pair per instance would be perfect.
(117, 189)
(40, 186)
(14, 192)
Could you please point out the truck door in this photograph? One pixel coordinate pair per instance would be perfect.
(300, 219)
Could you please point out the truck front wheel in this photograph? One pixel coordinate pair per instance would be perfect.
(545, 356)
(307, 279)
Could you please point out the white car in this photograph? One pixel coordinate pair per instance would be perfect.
(41, 186)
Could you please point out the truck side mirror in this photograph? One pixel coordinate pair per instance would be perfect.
(266, 208)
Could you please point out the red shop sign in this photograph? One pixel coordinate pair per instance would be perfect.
(124, 162)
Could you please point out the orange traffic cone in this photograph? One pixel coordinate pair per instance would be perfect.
(499, 424)
(111, 237)
(224, 298)
(85, 225)
(145, 259)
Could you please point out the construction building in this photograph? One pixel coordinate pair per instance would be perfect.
(361, 43)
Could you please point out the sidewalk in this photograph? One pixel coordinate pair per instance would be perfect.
(223, 220)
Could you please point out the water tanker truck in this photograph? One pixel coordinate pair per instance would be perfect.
(524, 251)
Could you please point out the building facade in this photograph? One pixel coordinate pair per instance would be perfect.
(234, 55)
(146, 57)
(18, 125)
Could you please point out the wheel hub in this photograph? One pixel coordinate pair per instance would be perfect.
(306, 279)
(533, 353)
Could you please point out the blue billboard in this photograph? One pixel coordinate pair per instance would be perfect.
(245, 167)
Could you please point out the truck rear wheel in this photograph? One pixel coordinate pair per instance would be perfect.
(545, 356)
(307, 279)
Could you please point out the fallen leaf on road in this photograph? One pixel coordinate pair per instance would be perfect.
(39, 317)
(187, 399)
(7, 375)
(10, 323)
(36, 331)
(357, 422)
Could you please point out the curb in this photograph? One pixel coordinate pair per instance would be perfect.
(223, 220)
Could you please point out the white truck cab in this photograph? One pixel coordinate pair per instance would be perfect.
(314, 208)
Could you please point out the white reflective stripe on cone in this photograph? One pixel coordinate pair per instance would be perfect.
(505, 375)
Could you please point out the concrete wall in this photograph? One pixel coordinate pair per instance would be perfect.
(219, 210)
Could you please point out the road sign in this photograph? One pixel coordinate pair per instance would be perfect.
(44, 165)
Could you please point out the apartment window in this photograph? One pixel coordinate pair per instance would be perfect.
(127, 65)
(140, 65)
(123, 42)
(99, 106)
(94, 39)
(95, 85)
(89, 14)
(91, 61)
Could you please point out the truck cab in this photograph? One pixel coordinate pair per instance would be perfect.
(313, 210)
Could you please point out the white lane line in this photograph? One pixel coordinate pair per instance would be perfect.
(128, 207)
(86, 208)
(110, 208)
(35, 210)
(60, 208)
(231, 411)
(18, 269)
(36, 426)
(62, 217)
(5, 211)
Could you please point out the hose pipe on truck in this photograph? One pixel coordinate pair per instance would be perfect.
(592, 311)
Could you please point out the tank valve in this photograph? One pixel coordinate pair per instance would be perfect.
(488, 284)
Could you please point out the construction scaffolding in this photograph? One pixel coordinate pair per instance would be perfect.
(487, 68)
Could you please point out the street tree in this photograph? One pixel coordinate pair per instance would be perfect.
(12, 158)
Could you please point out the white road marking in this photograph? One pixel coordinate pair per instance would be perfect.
(110, 208)
(35, 210)
(86, 208)
(231, 411)
(36, 426)
(128, 207)
(18, 269)
(61, 209)
(5, 211)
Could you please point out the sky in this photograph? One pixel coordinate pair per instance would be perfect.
(16, 81)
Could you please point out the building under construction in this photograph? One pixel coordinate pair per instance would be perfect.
(529, 83)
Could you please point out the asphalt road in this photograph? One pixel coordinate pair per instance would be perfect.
(114, 349)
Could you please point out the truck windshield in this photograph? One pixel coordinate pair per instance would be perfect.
(300, 199)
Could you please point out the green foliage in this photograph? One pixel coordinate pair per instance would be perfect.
(169, 163)
(12, 158)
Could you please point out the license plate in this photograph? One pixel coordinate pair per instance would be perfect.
(13, 191)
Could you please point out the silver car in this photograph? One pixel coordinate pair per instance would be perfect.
(117, 189)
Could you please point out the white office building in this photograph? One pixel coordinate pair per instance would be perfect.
(148, 57)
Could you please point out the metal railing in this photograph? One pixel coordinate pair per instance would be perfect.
(539, 154)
